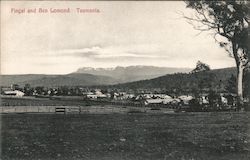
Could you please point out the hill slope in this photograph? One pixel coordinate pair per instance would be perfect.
(91, 76)
(56, 80)
(183, 82)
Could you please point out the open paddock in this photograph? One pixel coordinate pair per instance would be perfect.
(32, 101)
(179, 136)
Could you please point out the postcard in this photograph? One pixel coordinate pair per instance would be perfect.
(125, 80)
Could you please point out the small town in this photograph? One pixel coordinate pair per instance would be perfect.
(210, 101)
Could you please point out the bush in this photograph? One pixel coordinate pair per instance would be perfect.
(194, 105)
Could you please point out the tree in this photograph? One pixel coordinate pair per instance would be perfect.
(214, 100)
(230, 20)
(231, 84)
(28, 90)
(195, 105)
(39, 90)
(246, 85)
(200, 67)
(15, 87)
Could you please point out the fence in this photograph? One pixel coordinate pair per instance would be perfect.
(136, 104)
(96, 109)
(27, 109)
(65, 109)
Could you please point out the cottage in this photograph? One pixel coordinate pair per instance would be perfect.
(91, 96)
(185, 99)
(224, 100)
(123, 96)
(15, 93)
(153, 101)
(203, 99)
(97, 94)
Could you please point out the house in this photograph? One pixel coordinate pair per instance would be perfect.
(168, 100)
(153, 96)
(153, 101)
(157, 99)
(91, 96)
(97, 94)
(15, 93)
(185, 99)
(224, 100)
(203, 99)
(123, 96)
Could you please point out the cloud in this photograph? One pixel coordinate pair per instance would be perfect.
(84, 52)
(98, 52)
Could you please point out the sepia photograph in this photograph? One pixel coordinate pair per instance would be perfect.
(125, 80)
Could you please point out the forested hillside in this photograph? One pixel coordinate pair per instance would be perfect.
(221, 80)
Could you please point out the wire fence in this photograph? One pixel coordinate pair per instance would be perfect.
(97, 109)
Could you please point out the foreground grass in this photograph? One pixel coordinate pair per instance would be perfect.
(32, 101)
(184, 136)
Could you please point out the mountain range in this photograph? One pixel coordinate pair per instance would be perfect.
(168, 80)
(91, 76)
(132, 73)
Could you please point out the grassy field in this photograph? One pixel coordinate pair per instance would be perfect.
(180, 136)
(32, 101)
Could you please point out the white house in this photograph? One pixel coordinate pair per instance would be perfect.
(97, 94)
(123, 96)
(15, 93)
(204, 99)
(91, 96)
(186, 98)
(153, 101)
(158, 98)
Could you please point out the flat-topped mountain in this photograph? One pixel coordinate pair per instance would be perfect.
(132, 73)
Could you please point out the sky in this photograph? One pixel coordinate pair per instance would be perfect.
(120, 34)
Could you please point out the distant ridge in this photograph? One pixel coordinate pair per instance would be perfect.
(132, 73)
(74, 79)
(216, 78)
(88, 76)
